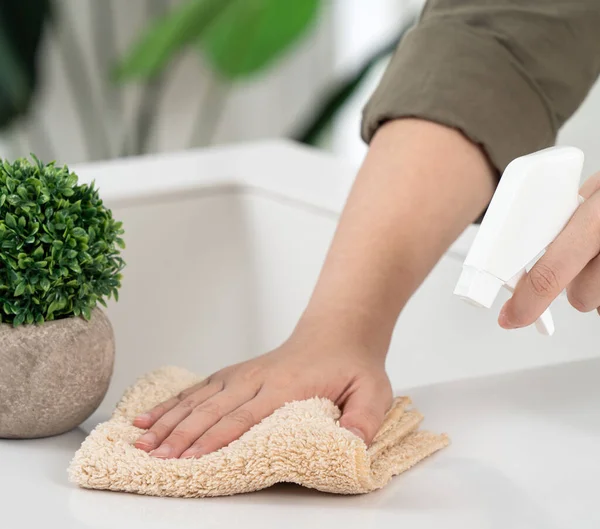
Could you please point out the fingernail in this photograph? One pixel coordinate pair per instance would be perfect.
(148, 440)
(504, 320)
(144, 417)
(163, 451)
(356, 432)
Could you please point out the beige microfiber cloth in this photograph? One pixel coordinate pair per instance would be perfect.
(299, 443)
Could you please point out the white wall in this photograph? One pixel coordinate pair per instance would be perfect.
(583, 131)
(361, 27)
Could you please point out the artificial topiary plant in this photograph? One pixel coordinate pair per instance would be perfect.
(59, 245)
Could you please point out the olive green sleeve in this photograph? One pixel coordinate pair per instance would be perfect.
(507, 73)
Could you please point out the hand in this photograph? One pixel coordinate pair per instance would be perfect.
(394, 228)
(570, 262)
(219, 410)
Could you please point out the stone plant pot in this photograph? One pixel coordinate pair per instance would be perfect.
(53, 376)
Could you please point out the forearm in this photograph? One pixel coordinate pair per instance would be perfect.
(421, 184)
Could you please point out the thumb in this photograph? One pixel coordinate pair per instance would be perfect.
(365, 409)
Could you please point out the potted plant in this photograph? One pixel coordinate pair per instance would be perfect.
(59, 258)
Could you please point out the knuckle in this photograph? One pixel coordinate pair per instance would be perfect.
(243, 418)
(284, 382)
(210, 442)
(578, 302)
(160, 429)
(543, 280)
(178, 436)
(210, 409)
(187, 404)
(251, 373)
(184, 394)
(159, 410)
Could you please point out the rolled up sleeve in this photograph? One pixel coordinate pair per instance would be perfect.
(506, 73)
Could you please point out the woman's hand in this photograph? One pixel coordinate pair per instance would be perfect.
(570, 262)
(214, 413)
(394, 228)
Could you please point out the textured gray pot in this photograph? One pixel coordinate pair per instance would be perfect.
(53, 376)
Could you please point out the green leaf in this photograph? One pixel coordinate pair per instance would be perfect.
(22, 192)
(71, 180)
(19, 319)
(45, 283)
(249, 35)
(167, 36)
(2, 199)
(87, 314)
(19, 291)
(54, 306)
(11, 184)
(37, 161)
(325, 111)
(10, 220)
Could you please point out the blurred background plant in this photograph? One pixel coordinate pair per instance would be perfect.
(84, 80)
(237, 43)
(238, 38)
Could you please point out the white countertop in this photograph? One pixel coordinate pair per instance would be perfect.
(525, 454)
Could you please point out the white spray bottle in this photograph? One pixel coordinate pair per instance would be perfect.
(536, 197)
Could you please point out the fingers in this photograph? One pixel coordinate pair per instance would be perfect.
(168, 415)
(590, 186)
(147, 419)
(233, 425)
(584, 291)
(197, 422)
(564, 259)
(365, 409)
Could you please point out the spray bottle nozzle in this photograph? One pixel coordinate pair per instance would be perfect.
(536, 197)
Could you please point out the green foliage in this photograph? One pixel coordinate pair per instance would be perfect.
(238, 37)
(59, 245)
(248, 36)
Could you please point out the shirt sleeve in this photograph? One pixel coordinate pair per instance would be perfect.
(506, 73)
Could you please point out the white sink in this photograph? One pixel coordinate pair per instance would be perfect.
(224, 247)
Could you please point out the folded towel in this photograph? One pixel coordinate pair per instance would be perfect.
(299, 443)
